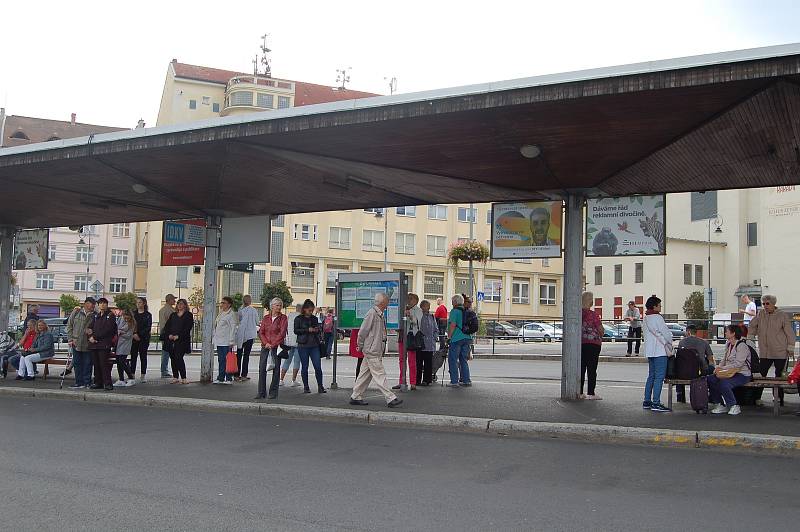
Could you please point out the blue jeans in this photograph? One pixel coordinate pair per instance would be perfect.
(723, 388)
(657, 370)
(313, 353)
(329, 343)
(457, 358)
(82, 366)
(222, 354)
(293, 360)
(165, 363)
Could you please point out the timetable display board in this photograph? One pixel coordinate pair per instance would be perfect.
(356, 296)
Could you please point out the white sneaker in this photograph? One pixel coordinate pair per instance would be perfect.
(295, 384)
(594, 398)
(281, 383)
(120, 383)
(735, 410)
(720, 409)
(142, 380)
(712, 405)
(217, 381)
(131, 382)
(227, 382)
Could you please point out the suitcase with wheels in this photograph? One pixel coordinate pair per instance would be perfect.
(698, 395)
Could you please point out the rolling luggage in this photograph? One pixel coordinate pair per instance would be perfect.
(698, 395)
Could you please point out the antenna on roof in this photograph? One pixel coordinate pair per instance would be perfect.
(392, 84)
(264, 60)
(343, 77)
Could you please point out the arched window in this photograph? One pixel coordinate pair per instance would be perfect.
(19, 134)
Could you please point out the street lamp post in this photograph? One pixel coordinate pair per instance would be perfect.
(84, 232)
(383, 213)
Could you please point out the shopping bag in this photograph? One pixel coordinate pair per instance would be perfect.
(231, 365)
(794, 376)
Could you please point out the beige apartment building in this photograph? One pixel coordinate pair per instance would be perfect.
(309, 250)
(103, 253)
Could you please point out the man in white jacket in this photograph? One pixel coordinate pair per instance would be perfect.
(249, 320)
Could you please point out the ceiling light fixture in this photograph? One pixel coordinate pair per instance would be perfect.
(530, 151)
(139, 188)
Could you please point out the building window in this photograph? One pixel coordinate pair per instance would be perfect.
(117, 285)
(372, 240)
(491, 289)
(241, 98)
(305, 232)
(119, 257)
(89, 230)
(598, 275)
(215, 107)
(45, 281)
(333, 274)
(279, 220)
(404, 243)
(182, 277)
(406, 211)
(409, 278)
(437, 212)
(545, 263)
(617, 308)
(547, 292)
(232, 282)
(284, 102)
(618, 274)
(638, 272)
(520, 291)
(84, 254)
(433, 287)
(752, 234)
(121, 230)
(489, 216)
(698, 275)
(192, 104)
(276, 249)
(687, 274)
(467, 215)
(264, 100)
(258, 279)
(51, 252)
(275, 276)
(598, 307)
(374, 210)
(339, 238)
(82, 283)
(436, 245)
(303, 276)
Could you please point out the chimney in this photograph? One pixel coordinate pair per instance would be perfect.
(72, 119)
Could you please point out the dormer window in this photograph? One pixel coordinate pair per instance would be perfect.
(19, 135)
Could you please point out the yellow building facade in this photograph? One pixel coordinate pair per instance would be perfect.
(309, 250)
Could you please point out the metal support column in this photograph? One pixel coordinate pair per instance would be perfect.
(209, 297)
(6, 251)
(573, 287)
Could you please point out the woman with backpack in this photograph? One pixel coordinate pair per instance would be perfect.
(657, 349)
(460, 343)
(591, 343)
(732, 372)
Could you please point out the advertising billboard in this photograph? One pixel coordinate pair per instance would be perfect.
(630, 225)
(526, 229)
(30, 249)
(356, 296)
(183, 242)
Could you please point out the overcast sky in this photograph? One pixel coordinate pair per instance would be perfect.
(106, 61)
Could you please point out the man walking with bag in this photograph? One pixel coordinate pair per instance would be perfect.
(372, 342)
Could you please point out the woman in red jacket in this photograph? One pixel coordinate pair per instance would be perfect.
(272, 333)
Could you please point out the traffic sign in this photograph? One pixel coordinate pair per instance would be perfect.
(481, 296)
(246, 267)
(97, 287)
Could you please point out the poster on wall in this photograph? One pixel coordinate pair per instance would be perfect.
(30, 249)
(630, 225)
(526, 230)
(183, 243)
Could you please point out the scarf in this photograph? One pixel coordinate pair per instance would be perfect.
(650, 311)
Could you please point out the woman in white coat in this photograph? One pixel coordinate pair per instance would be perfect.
(225, 338)
(657, 348)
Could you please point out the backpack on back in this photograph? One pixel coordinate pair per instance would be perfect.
(470, 322)
(687, 363)
(754, 363)
(327, 324)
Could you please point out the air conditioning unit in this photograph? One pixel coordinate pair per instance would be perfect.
(756, 282)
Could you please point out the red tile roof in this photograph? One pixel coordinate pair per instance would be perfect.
(304, 93)
(43, 129)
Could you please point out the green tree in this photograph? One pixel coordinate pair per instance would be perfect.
(68, 302)
(482, 329)
(195, 299)
(694, 307)
(125, 301)
(279, 290)
(238, 301)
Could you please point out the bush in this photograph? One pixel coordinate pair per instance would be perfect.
(68, 302)
(279, 290)
(195, 299)
(694, 307)
(125, 301)
(238, 301)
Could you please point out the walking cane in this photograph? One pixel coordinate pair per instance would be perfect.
(64, 373)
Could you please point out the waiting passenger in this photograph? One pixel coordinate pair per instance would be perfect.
(42, 349)
(704, 353)
(657, 348)
(732, 372)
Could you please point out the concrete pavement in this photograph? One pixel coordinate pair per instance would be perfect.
(83, 466)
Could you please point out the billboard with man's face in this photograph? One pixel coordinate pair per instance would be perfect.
(529, 229)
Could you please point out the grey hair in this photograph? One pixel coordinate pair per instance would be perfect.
(275, 300)
(587, 298)
(380, 297)
(769, 299)
(458, 300)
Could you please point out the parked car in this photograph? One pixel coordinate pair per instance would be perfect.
(58, 326)
(538, 331)
(678, 330)
(613, 334)
(501, 329)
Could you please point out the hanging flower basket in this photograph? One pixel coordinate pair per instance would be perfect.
(467, 251)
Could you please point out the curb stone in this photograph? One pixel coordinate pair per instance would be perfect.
(762, 443)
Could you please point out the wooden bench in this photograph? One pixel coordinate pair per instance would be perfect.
(112, 360)
(776, 383)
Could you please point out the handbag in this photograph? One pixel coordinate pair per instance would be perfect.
(794, 376)
(415, 341)
(726, 373)
(231, 364)
(283, 351)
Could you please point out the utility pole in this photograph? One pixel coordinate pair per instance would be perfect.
(471, 238)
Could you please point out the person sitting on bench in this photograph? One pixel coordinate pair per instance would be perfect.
(8, 349)
(42, 349)
(732, 372)
(704, 353)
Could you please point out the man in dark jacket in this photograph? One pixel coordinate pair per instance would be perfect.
(33, 315)
(101, 332)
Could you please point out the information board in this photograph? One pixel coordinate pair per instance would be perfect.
(356, 296)
(183, 243)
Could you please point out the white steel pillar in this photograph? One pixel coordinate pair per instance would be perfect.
(210, 297)
(573, 286)
(6, 251)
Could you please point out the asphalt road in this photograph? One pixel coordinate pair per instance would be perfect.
(79, 466)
